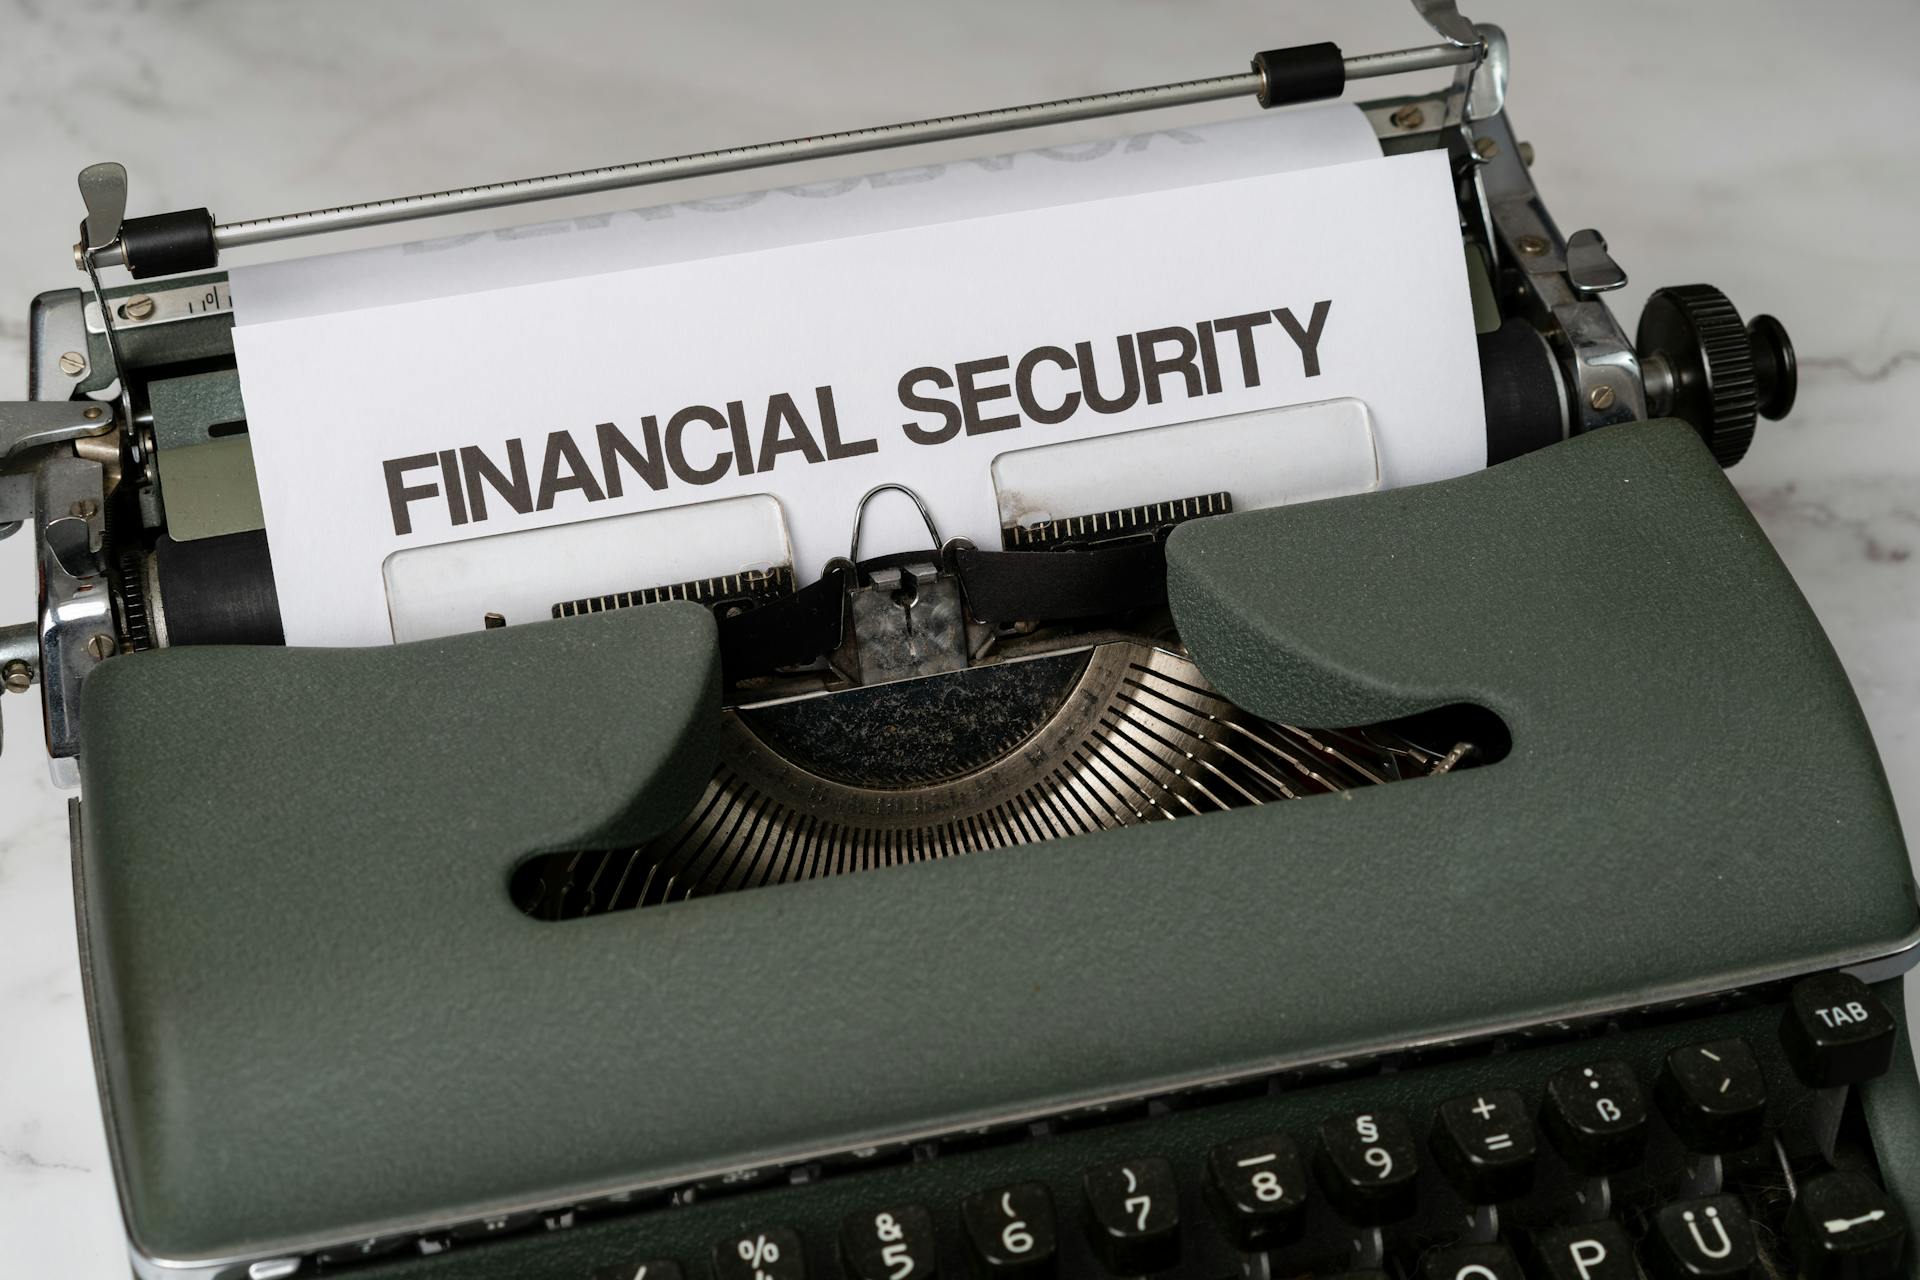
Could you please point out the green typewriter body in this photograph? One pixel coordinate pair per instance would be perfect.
(1488, 878)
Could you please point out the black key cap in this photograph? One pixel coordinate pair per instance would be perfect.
(1471, 1262)
(1133, 1216)
(1846, 1228)
(652, 1269)
(1714, 1095)
(1012, 1230)
(1597, 1116)
(1257, 1188)
(1706, 1237)
(1591, 1251)
(774, 1253)
(1485, 1145)
(889, 1244)
(1368, 1162)
(1836, 1031)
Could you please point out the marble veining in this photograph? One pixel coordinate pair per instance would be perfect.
(1712, 141)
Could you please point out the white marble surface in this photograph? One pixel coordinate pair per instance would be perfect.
(1752, 145)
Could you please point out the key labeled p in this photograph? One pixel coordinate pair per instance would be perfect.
(1587, 1256)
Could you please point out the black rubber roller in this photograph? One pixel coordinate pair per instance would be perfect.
(217, 590)
(1304, 73)
(168, 244)
(1520, 386)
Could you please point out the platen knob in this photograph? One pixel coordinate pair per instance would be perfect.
(1703, 365)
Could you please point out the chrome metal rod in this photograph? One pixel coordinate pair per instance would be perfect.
(254, 231)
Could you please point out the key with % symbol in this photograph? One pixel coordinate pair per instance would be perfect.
(762, 1255)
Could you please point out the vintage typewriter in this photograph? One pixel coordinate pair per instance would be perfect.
(587, 948)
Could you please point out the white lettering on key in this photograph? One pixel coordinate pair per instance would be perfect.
(1834, 1226)
(1608, 1109)
(1587, 1254)
(1366, 1128)
(1015, 1236)
(1719, 1228)
(1139, 1206)
(1474, 1269)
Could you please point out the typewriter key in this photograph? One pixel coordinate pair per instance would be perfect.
(1485, 1145)
(1471, 1262)
(1597, 1116)
(1590, 1251)
(1369, 1163)
(1714, 1095)
(897, 1243)
(1012, 1230)
(774, 1253)
(657, 1269)
(1845, 1227)
(1836, 1031)
(1702, 1238)
(1257, 1188)
(1133, 1216)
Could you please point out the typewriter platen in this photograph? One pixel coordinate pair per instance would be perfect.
(1565, 982)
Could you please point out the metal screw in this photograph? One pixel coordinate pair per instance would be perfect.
(1526, 154)
(100, 645)
(1408, 117)
(84, 508)
(1601, 397)
(1532, 246)
(72, 363)
(1486, 148)
(93, 413)
(138, 307)
(18, 675)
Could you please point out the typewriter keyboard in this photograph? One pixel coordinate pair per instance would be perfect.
(1723, 1140)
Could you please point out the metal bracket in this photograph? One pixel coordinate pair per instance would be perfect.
(30, 424)
(76, 609)
(1560, 280)
(908, 622)
(59, 358)
(1475, 95)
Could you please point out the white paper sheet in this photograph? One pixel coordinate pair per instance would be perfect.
(440, 387)
(1273, 142)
